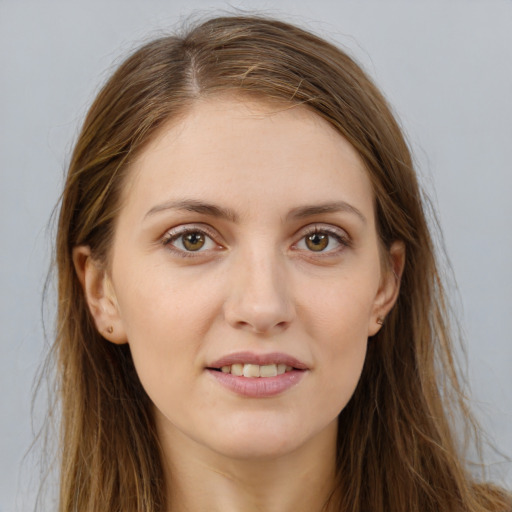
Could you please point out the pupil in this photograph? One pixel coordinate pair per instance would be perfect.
(193, 241)
(317, 241)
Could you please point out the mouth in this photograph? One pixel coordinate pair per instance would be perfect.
(255, 370)
(258, 375)
(249, 364)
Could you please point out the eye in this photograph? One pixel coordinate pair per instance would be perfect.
(323, 240)
(193, 241)
(317, 241)
(189, 240)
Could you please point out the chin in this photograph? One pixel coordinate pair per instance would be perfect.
(261, 438)
(259, 447)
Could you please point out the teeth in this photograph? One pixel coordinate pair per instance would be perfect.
(269, 370)
(237, 369)
(251, 370)
(254, 370)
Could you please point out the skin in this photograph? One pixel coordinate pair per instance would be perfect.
(256, 285)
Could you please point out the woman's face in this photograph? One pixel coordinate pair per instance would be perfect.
(246, 243)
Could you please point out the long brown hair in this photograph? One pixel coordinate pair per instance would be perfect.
(396, 446)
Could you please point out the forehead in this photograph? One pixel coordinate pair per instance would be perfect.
(248, 152)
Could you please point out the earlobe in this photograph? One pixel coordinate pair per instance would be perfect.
(99, 294)
(389, 287)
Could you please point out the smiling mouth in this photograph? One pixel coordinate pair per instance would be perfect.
(255, 370)
(252, 375)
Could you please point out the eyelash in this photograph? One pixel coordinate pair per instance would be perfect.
(176, 234)
(340, 237)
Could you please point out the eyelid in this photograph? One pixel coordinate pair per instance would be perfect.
(341, 236)
(188, 228)
(183, 229)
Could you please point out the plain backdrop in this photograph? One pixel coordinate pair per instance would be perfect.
(445, 65)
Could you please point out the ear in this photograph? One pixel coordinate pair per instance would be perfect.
(389, 286)
(99, 294)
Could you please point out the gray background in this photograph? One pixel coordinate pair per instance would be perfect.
(446, 67)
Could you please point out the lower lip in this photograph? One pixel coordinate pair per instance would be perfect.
(259, 387)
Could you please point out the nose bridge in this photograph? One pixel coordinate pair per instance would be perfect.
(259, 297)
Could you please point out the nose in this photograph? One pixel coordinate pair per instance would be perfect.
(259, 297)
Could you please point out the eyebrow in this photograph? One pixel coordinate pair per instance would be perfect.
(192, 205)
(301, 212)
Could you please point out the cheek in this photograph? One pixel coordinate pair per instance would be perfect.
(338, 319)
(343, 357)
(165, 316)
(162, 302)
(342, 308)
(342, 354)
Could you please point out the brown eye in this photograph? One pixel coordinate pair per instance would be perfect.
(317, 241)
(193, 241)
(190, 241)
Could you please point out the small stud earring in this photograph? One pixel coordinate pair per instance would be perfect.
(110, 329)
(380, 320)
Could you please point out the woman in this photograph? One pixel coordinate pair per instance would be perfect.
(250, 312)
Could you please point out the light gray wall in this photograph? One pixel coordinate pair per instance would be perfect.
(445, 65)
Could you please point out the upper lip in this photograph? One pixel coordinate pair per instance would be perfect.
(259, 359)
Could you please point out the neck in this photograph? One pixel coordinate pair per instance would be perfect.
(199, 479)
